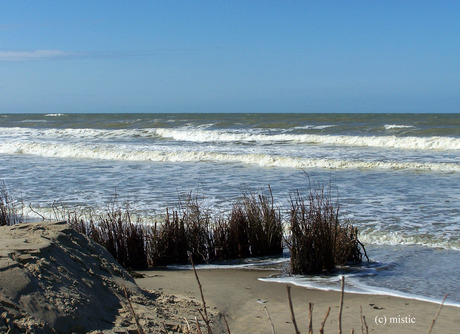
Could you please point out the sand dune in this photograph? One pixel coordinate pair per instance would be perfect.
(53, 279)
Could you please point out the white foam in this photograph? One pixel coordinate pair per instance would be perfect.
(178, 154)
(54, 115)
(200, 135)
(397, 126)
(312, 127)
(79, 133)
(351, 286)
(424, 143)
(397, 238)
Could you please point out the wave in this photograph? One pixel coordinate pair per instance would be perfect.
(79, 133)
(424, 143)
(216, 136)
(313, 127)
(54, 115)
(133, 153)
(393, 238)
(397, 126)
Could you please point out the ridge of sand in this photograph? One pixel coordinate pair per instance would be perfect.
(53, 279)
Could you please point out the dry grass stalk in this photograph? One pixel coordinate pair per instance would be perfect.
(226, 323)
(361, 317)
(136, 320)
(341, 305)
(310, 320)
(437, 314)
(288, 288)
(269, 319)
(188, 325)
(205, 315)
(321, 330)
(365, 325)
(198, 327)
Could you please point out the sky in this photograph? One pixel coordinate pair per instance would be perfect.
(229, 56)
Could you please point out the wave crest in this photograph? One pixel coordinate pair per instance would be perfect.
(216, 136)
(133, 153)
(424, 143)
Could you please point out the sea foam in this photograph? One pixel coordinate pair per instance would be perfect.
(203, 136)
(419, 143)
(397, 126)
(124, 152)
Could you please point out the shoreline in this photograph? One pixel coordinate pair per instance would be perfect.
(242, 297)
(376, 292)
(353, 286)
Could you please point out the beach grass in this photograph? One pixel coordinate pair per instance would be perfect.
(253, 228)
(10, 210)
(317, 239)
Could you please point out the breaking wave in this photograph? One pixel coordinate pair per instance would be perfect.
(397, 126)
(162, 154)
(216, 136)
(397, 238)
(424, 143)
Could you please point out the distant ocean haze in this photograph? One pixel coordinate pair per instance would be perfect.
(397, 176)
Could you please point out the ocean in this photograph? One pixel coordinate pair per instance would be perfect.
(397, 176)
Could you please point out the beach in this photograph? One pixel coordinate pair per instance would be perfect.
(242, 297)
(54, 279)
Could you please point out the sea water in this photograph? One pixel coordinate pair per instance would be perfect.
(397, 176)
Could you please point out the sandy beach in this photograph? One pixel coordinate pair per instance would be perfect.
(242, 297)
(55, 280)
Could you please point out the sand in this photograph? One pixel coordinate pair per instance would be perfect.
(242, 297)
(55, 280)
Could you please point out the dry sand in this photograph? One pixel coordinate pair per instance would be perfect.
(53, 279)
(242, 297)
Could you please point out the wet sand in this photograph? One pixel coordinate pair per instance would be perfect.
(239, 295)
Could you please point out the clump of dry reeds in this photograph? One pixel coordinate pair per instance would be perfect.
(10, 210)
(253, 228)
(265, 227)
(189, 232)
(319, 240)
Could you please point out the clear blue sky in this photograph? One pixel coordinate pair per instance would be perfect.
(229, 56)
